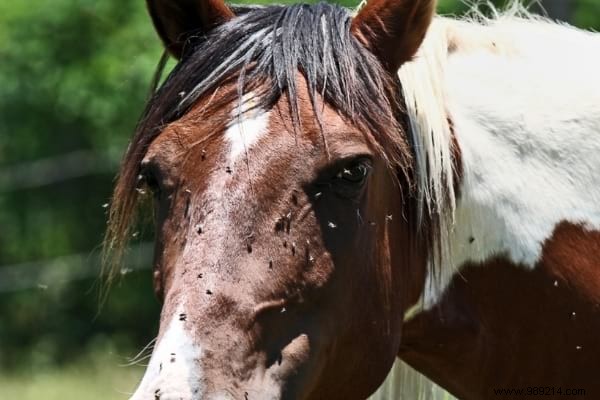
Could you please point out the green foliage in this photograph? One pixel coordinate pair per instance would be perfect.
(74, 77)
(88, 378)
(587, 14)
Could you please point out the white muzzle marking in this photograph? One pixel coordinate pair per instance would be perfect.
(174, 372)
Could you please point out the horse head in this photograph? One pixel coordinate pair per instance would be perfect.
(286, 244)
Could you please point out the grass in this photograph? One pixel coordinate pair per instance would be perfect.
(92, 379)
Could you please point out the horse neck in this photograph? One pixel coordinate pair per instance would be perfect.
(525, 112)
(519, 284)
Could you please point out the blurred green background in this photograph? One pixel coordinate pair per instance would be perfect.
(74, 75)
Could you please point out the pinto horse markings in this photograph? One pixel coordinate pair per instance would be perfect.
(332, 192)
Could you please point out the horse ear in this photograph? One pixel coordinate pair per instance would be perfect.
(393, 29)
(177, 20)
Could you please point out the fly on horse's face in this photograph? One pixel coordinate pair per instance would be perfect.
(279, 246)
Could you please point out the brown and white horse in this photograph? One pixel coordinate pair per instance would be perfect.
(332, 192)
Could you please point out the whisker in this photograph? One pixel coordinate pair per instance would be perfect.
(136, 361)
(140, 356)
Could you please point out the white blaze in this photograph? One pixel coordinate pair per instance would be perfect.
(246, 128)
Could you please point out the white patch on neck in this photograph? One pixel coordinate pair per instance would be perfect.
(528, 126)
(247, 127)
(173, 372)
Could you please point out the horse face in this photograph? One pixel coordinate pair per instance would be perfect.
(273, 256)
(281, 233)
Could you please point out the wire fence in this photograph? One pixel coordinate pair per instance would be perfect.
(63, 270)
(57, 169)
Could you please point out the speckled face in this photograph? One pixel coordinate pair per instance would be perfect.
(282, 247)
(272, 257)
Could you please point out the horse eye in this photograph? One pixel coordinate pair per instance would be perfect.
(147, 179)
(355, 173)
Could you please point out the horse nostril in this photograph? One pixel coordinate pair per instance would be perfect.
(277, 322)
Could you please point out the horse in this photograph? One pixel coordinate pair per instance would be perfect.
(333, 192)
